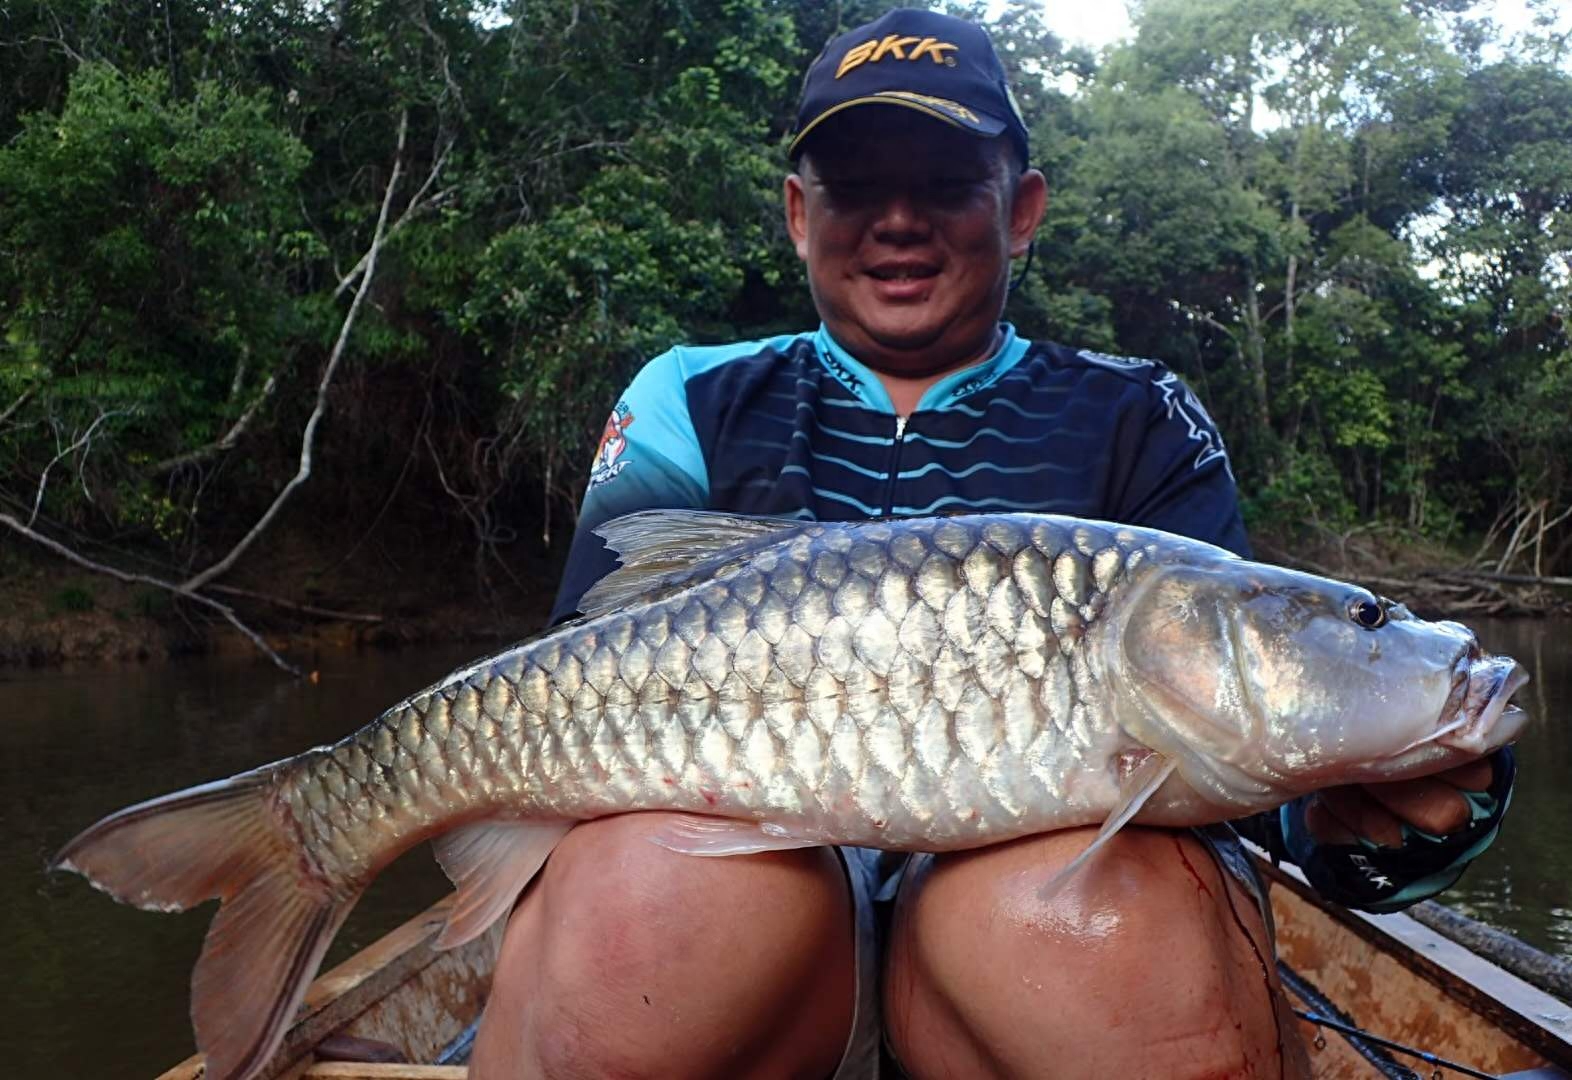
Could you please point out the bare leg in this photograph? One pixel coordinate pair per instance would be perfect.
(1137, 967)
(627, 960)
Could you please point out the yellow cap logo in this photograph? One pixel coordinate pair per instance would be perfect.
(874, 50)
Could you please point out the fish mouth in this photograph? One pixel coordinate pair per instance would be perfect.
(1479, 715)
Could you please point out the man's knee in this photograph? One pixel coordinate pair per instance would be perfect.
(1150, 947)
(626, 959)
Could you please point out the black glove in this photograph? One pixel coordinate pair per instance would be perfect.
(1379, 879)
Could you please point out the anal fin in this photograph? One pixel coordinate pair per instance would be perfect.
(1135, 789)
(490, 862)
(694, 834)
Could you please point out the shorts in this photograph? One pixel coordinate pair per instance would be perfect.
(875, 878)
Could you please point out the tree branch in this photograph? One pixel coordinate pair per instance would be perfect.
(144, 579)
(1510, 579)
(418, 202)
(15, 405)
(304, 609)
(226, 442)
(308, 438)
(86, 439)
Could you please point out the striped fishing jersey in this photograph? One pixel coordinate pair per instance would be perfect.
(795, 426)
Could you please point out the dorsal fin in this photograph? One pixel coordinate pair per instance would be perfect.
(662, 550)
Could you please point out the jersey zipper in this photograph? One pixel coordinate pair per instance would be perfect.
(894, 468)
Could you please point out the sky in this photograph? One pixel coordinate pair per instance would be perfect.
(1098, 24)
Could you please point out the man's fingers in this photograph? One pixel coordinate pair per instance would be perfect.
(1428, 804)
(1377, 812)
(1363, 816)
(1325, 827)
(1475, 776)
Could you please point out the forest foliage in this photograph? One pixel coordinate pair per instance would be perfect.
(1347, 223)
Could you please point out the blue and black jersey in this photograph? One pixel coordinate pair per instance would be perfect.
(795, 426)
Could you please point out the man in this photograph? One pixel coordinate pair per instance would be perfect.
(910, 198)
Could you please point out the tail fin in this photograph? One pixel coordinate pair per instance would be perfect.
(222, 841)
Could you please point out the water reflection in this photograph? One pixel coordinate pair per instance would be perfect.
(93, 988)
(1524, 882)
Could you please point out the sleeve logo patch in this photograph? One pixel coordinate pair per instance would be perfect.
(1184, 406)
(613, 442)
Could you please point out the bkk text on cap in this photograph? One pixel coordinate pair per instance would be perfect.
(940, 66)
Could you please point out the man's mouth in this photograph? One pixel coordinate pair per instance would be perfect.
(902, 271)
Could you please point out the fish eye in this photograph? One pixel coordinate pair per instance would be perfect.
(1367, 613)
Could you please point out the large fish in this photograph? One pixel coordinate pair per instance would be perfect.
(930, 684)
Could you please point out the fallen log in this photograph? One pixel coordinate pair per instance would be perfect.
(1532, 580)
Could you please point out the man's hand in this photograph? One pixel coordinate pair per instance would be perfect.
(1376, 812)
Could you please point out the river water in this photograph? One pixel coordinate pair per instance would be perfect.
(91, 988)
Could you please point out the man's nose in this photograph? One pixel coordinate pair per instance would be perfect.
(902, 216)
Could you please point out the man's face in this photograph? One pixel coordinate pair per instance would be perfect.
(908, 226)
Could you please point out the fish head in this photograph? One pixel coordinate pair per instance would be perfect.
(1266, 683)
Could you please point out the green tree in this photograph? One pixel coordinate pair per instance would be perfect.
(147, 293)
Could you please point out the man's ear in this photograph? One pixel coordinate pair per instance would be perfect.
(1026, 212)
(797, 215)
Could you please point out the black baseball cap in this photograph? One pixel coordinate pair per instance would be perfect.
(942, 67)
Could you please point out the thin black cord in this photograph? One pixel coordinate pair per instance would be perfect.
(1423, 1055)
(1030, 251)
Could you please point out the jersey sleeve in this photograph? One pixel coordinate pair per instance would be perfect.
(648, 458)
(1180, 480)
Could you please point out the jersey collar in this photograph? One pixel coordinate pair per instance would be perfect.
(863, 383)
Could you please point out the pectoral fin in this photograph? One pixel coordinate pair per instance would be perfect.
(1137, 786)
(692, 834)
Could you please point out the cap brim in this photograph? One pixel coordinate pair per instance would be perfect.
(983, 126)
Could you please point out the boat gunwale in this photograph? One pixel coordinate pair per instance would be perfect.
(1538, 1020)
(349, 990)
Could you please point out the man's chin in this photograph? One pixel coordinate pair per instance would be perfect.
(899, 335)
(911, 343)
(920, 351)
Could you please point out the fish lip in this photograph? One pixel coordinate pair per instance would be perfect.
(1457, 696)
(1489, 719)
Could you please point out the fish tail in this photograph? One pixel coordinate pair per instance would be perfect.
(224, 840)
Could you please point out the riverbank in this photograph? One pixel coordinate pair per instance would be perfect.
(53, 613)
(1433, 580)
(304, 606)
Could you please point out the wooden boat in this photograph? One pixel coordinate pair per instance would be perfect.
(1389, 977)
(397, 993)
(1397, 979)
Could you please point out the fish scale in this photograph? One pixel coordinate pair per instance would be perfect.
(929, 684)
(836, 626)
